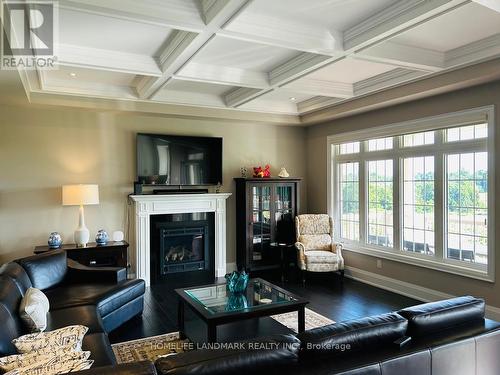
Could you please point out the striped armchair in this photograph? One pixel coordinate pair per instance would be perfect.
(317, 251)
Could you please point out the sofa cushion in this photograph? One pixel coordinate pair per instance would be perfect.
(84, 315)
(100, 349)
(18, 274)
(437, 316)
(275, 354)
(354, 335)
(107, 297)
(70, 337)
(45, 270)
(136, 368)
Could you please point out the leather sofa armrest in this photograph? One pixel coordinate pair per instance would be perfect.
(78, 273)
(136, 368)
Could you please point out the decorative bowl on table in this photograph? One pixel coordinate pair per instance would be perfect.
(237, 282)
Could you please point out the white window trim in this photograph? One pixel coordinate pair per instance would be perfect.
(482, 114)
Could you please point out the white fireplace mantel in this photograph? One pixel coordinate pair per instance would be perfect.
(147, 205)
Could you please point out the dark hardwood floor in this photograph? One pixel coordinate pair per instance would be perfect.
(327, 296)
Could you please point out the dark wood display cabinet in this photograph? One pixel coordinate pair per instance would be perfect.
(265, 214)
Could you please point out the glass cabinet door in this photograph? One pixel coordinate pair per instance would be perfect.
(284, 213)
(261, 222)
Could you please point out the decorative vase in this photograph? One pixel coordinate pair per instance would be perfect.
(236, 302)
(55, 240)
(237, 282)
(101, 237)
(283, 173)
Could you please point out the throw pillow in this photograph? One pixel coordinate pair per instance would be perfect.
(18, 361)
(33, 310)
(71, 336)
(54, 367)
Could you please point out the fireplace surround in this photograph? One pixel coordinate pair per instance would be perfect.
(145, 206)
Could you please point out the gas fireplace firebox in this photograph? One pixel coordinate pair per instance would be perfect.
(181, 244)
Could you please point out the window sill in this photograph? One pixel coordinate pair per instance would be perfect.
(473, 273)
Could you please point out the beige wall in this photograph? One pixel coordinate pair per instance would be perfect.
(42, 149)
(317, 184)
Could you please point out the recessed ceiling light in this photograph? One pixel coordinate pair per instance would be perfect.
(72, 74)
(293, 98)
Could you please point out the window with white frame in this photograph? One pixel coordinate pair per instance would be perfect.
(419, 192)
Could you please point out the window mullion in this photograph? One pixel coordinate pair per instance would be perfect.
(396, 203)
(440, 221)
(363, 197)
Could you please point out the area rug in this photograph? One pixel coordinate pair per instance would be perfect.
(152, 348)
(313, 320)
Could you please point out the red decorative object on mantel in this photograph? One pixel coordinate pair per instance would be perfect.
(258, 172)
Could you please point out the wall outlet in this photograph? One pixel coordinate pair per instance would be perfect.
(379, 263)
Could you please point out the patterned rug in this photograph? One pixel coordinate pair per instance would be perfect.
(152, 348)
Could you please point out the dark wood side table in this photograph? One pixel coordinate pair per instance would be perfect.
(113, 254)
(287, 256)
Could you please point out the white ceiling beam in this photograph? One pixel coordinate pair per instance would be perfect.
(404, 56)
(93, 58)
(242, 95)
(223, 75)
(177, 14)
(315, 103)
(318, 87)
(281, 75)
(492, 4)
(395, 19)
(274, 41)
(186, 45)
(479, 50)
(384, 80)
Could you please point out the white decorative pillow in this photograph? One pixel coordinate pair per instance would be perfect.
(33, 310)
(71, 336)
(38, 357)
(54, 366)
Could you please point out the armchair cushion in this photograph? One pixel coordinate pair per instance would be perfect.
(321, 257)
(316, 242)
(313, 224)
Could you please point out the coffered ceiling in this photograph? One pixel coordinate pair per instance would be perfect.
(274, 56)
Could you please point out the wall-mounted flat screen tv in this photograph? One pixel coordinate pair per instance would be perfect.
(178, 160)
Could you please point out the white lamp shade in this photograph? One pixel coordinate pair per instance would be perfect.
(77, 195)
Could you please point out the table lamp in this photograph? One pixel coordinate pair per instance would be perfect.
(80, 195)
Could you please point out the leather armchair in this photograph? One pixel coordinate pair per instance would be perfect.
(317, 250)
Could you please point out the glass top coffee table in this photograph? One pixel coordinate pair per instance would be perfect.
(215, 305)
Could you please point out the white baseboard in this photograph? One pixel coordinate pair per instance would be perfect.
(407, 289)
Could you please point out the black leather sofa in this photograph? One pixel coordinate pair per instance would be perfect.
(449, 337)
(99, 298)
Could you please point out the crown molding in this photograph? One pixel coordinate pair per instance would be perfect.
(318, 87)
(484, 48)
(242, 95)
(395, 19)
(384, 80)
(404, 56)
(316, 103)
(176, 14)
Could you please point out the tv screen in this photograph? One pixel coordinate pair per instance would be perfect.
(178, 160)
